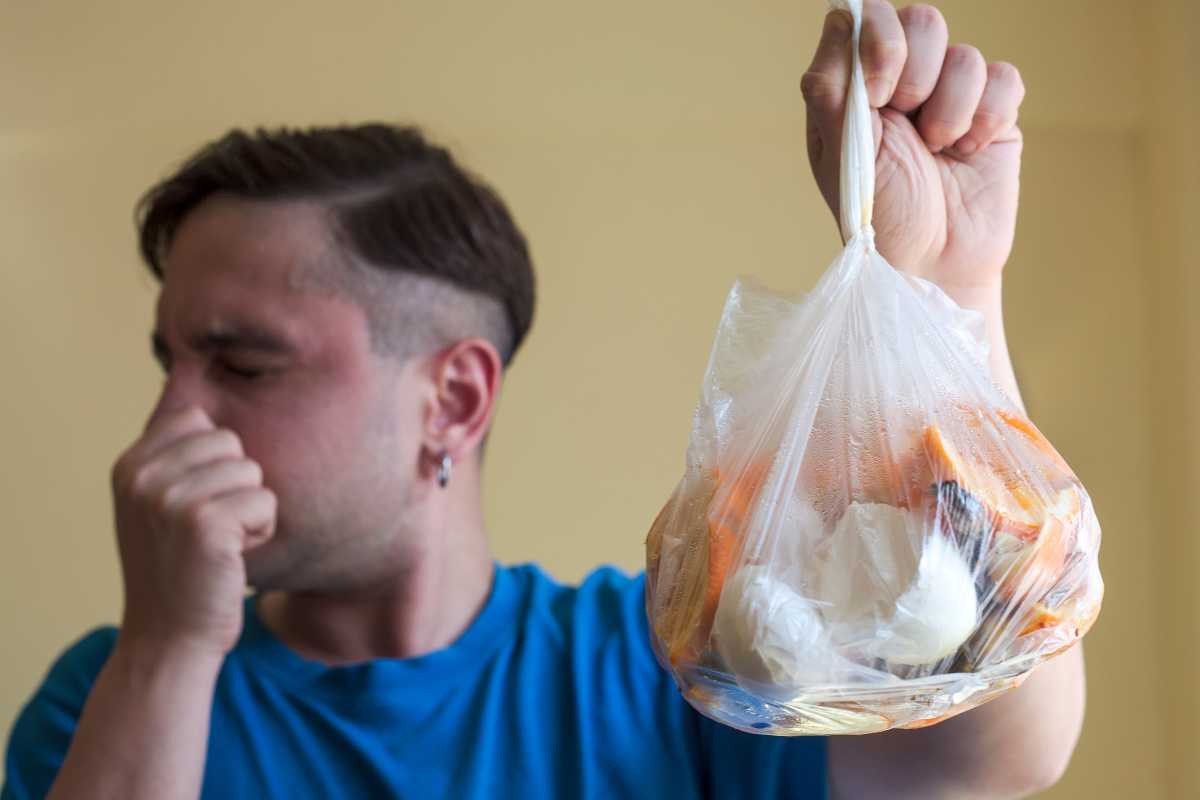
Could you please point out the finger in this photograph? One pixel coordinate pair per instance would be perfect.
(926, 36)
(165, 427)
(254, 510)
(161, 432)
(883, 49)
(203, 483)
(824, 83)
(169, 405)
(248, 514)
(946, 116)
(998, 108)
(188, 452)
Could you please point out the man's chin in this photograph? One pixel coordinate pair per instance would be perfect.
(268, 568)
(289, 564)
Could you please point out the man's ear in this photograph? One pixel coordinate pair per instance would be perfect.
(465, 387)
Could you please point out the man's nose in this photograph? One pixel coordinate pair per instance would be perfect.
(180, 391)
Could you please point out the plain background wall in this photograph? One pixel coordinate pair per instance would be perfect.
(653, 151)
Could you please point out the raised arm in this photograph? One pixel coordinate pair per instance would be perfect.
(188, 503)
(947, 176)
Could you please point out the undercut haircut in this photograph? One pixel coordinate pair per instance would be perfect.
(428, 250)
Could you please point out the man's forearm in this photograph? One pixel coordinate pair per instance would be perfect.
(1027, 736)
(1010, 747)
(144, 730)
(988, 301)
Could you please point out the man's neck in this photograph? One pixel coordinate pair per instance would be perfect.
(435, 594)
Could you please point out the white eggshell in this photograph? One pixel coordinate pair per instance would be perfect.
(772, 639)
(936, 614)
(893, 592)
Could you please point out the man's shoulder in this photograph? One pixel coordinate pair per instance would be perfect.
(606, 597)
(72, 674)
(603, 611)
(606, 587)
(43, 730)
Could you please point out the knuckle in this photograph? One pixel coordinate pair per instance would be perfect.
(118, 473)
(140, 480)
(964, 55)
(228, 442)
(818, 87)
(193, 415)
(262, 506)
(177, 420)
(942, 130)
(1020, 87)
(1004, 72)
(885, 54)
(254, 473)
(199, 515)
(1007, 79)
(170, 497)
(922, 17)
(907, 93)
(989, 120)
(839, 27)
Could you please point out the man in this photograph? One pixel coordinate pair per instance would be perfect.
(336, 312)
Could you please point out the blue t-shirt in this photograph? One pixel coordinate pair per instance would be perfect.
(552, 692)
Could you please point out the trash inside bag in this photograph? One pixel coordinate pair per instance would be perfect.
(868, 534)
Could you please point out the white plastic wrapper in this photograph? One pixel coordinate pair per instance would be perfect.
(869, 534)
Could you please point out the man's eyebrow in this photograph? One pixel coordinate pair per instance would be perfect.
(240, 338)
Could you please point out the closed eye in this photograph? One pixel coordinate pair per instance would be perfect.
(242, 372)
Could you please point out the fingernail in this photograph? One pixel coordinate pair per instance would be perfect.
(838, 27)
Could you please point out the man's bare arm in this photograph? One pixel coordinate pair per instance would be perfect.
(1013, 746)
(188, 504)
(144, 728)
(947, 179)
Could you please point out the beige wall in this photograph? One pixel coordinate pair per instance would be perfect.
(1172, 192)
(653, 151)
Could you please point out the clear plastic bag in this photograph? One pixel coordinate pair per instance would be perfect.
(868, 534)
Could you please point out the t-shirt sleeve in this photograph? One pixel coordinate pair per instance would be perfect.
(42, 733)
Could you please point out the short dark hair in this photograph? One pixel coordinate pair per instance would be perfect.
(399, 203)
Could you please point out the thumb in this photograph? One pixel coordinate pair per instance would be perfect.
(824, 88)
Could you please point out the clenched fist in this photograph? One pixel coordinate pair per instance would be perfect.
(188, 505)
(947, 143)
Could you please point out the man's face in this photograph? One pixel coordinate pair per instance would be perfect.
(249, 338)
